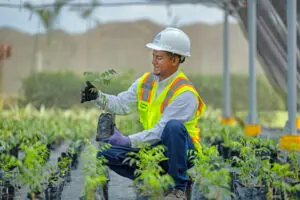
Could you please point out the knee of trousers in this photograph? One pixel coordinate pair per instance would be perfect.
(173, 128)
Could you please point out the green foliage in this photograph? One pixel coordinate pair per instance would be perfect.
(212, 130)
(280, 173)
(61, 89)
(295, 163)
(94, 169)
(102, 78)
(31, 170)
(57, 89)
(110, 81)
(63, 164)
(211, 173)
(31, 130)
(152, 181)
(251, 165)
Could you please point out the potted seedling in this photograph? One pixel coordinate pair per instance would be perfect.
(151, 179)
(249, 184)
(272, 147)
(210, 174)
(64, 165)
(7, 188)
(95, 171)
(284, 180)
(74, 151)
(31, 169)
(55, 184)
(210, 132)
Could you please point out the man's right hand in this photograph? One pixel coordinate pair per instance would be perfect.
(89, 92)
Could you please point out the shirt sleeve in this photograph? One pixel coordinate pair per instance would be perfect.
(182, 108)
(121, 104)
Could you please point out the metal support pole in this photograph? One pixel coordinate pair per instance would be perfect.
(226, 73)
(292, 64)
(252, 116)
(252, 127)
(291, 141)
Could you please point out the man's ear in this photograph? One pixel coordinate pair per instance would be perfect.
(175, 60)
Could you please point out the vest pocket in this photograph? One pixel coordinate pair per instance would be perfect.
(143, 106)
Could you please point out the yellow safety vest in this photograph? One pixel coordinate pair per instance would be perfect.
(151, 109)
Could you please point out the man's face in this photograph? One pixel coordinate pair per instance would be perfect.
(163, 65)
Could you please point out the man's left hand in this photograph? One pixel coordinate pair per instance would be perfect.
(118, 139)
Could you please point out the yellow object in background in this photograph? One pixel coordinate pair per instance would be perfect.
(228, 121)
(252, 129)
(289, 142)
(298, 123)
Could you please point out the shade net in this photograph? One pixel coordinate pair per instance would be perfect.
(272, 42)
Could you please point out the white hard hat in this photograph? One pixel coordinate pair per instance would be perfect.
(172, 40)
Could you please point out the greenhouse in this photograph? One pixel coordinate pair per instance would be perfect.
(149, 99)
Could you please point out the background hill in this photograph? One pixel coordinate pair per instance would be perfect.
(120, 46)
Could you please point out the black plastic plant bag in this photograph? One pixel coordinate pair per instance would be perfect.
(7, 191)
(249, 193)
(225, 152)
(105, 127)
(196, 194)
(54, 191)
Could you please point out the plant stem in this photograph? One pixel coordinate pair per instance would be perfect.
(32, 196)
(218, 193)
(270, 192)
(91, 194)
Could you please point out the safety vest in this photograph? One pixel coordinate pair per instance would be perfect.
(151, 109)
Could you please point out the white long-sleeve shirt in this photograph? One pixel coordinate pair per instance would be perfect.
(182, 108)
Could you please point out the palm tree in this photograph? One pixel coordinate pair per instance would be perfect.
(47, 17)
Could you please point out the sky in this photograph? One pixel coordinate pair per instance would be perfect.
(71, 22)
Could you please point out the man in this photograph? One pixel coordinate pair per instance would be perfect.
(169, 108)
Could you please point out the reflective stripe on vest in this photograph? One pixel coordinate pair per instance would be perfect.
(176, 85)
(146, 89)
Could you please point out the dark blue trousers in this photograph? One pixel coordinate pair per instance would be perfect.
(175, 137)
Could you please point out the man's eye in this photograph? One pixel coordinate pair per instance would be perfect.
(157, 57)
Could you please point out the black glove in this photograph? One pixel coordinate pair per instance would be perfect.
(89, 92)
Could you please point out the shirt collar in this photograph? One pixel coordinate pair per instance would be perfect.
(169, 79)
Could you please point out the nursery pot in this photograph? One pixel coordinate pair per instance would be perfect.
(243, 192)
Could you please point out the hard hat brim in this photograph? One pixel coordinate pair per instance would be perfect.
(155, 47)
(158, 48)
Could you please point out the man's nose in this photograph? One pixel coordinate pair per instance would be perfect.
(153, 61)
